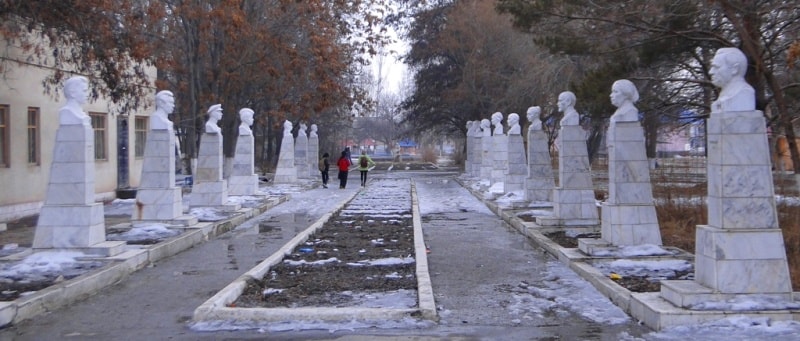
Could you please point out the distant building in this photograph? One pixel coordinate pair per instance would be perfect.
(28, 123)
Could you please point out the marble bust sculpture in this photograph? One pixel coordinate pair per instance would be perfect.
(533, 118)
(214, 115)
(246, 116)
(302, 130)
(165, 104)
(497, 119)
(566, 104)
(623, 95)
(485, 127)
(287, 128)
(728, 69)
(76, 91)
(313, 131)
(513, 124)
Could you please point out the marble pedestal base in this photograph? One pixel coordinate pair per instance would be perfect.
(624, 225)
(211, 194)
(734, 263)
(243, 184)
(158, 204)
(572, 207)
(62, 226)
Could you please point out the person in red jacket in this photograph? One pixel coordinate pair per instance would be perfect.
(344, 166)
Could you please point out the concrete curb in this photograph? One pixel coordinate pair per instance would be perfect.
(120, 266)
(218, 308)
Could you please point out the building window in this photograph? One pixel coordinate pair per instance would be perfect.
(33, 136)
(5, 131)
(140, 134)
(100, 128)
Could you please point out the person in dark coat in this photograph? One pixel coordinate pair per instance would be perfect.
(324, 166)
(344, 166)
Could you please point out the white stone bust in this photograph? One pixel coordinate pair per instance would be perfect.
(76, 91)
(302, 130)
(513, 124)
(473, 128)
(623, 95)
(566, 104)
(214, 115)
(287, 128)
(497, 122)
(246, 116)
(533, 118)
(728, 69)
(165, 104)
(313, 131)
(486, 127)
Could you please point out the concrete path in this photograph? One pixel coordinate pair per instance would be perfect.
(477, 264)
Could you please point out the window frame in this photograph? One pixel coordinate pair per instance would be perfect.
(100, 154)
(34, 127)
(5, 136)
(140, 134)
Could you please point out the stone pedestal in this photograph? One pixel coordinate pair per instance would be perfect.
(629, 214)
(243, 180)
(539, 182)
(301, 156)
(157, 197)
(313, 157)
(475, 156)
(209, 188)
(286, 172)
(517, 168)
(69, 217)
(573, 200)
(740, 252)
(486, 157)
(499, 159)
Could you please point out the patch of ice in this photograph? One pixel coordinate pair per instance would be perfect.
(634, 251)
(384, 261)
(748, 303)
(305, 262)
(207, 213)
(734, 328)
(662, 268)
(145, 232)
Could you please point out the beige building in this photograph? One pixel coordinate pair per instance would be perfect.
(28, 123)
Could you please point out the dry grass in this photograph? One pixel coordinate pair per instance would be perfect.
(679, 187)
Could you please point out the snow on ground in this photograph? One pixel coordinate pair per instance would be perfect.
(734, 328)
(450, 200)
(657, 268)
(628, 251)
(144, 231)
(47, 265)
(562, 290)
(572, 293)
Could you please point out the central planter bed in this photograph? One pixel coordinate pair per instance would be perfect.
(366, 262)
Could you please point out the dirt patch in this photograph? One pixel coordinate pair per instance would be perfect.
(352, 254)
(647, 284)
(564, 240)
(337, 259)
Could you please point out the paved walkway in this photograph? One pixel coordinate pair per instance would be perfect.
(476, 262)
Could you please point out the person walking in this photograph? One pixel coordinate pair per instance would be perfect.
(344, 167)
(365, 163)
(324, 166)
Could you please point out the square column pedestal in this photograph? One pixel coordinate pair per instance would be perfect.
(69, 218)
(740, 254)
(574, 203)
